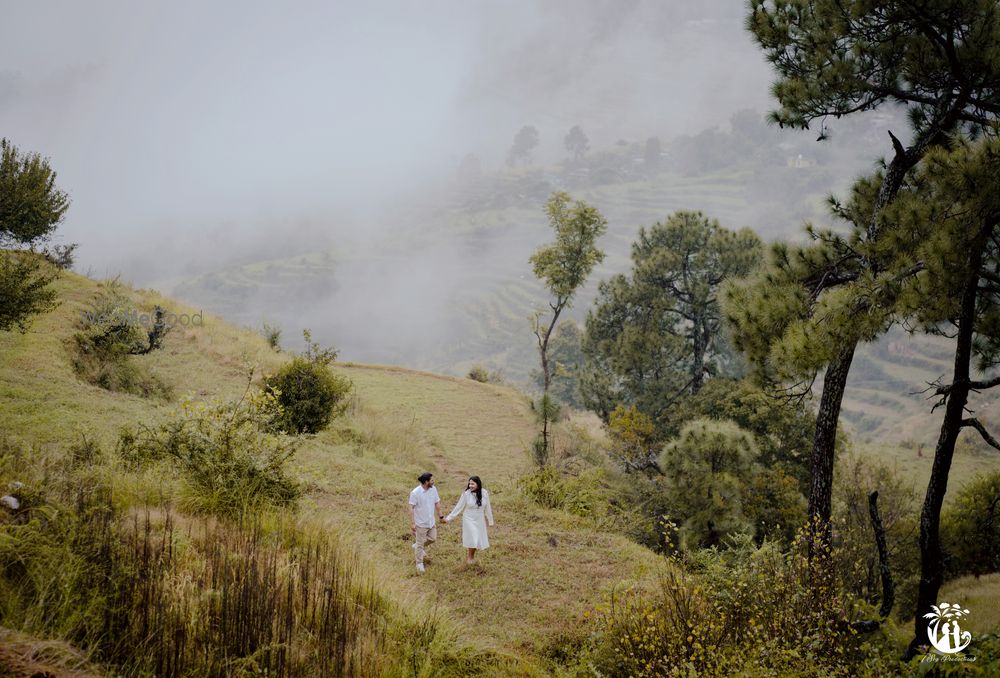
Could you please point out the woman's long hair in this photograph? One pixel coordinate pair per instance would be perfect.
(479, 489)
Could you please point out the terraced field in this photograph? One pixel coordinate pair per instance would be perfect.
(466, 265)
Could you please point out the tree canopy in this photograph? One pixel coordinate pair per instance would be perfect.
(525, 141)
(31, 206)
(656, 334)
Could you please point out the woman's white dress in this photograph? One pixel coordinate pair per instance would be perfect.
(474, 519)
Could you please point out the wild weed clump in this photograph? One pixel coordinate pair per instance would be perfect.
(243, 600)
(309, 393)
(111, 332)
(225, 452)
(582, 495)
(743, 610)
(272, 334)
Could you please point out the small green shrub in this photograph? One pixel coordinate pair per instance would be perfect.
(545, 487)
(582, 495)
(479, 373)
(226, 453)
(272, 334)
(971, 527)
(309, 393)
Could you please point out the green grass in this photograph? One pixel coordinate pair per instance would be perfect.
(457, 428)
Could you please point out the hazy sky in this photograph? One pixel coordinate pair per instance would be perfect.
(210, 125)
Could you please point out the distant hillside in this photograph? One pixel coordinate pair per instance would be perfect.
(452, 287)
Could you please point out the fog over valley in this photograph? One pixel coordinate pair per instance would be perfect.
(345, 167)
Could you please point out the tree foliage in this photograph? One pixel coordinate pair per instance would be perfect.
(971, 527)
(525, 142)
(565, 363)
(24, 288)
(705, 468)
(782, 428)
(835, 58)
(576, 142)
(31, 206)
(655, 335)
(634, 444)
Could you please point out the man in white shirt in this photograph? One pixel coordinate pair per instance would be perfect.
(424, 505)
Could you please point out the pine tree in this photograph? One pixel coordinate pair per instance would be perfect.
(836, 58)
(656, 334)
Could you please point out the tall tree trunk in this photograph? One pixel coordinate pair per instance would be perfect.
(699, 335)
(931, 561)
(543, 351)
(824, 449)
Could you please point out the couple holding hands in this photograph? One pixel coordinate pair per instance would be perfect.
(425, 505)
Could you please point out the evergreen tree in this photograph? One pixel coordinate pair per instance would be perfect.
(950, 217)
(942, 59)
(525, 141)
(577, 143)
(706, 468)
(655, 335)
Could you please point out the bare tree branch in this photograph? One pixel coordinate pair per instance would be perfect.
(976, 424)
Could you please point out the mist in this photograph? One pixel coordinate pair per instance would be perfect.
(307, 156)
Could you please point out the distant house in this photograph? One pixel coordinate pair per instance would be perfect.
(799, 161)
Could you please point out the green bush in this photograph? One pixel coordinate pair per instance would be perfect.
(226, 453)
(856, 556)
(582, 495)
(707, 468)
(479, 373)
(971, 527)
(272, 334)
(310, 395)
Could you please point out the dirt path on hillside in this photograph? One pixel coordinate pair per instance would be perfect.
(544, 569)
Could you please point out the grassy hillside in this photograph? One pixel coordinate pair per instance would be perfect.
(529, 592)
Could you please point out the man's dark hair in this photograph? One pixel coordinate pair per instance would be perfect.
(424, 477)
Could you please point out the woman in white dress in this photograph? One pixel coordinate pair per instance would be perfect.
(475, 503)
